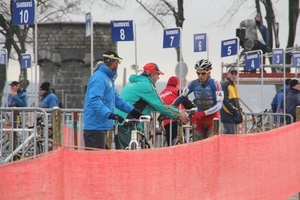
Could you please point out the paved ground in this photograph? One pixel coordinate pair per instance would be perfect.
(295, 197)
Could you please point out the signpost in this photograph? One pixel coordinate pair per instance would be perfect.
(252, 61)
(3, 61)
(122, 30)
(296, 59)
(201, 43)
(23, 12)
(89, 31)
(230, 47)
(25, 61)
(172, 39)
(278, 58)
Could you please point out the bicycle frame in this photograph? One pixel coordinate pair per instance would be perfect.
(134, 143)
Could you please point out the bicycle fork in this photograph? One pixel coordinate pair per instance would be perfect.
(133, 144)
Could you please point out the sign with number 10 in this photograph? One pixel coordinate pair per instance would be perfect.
(229, 47)
(171, 38)
(23, 12)
(121, 30)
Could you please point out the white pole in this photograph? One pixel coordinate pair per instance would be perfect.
(135, 49)
(284, 86)
(180, 61)
(238, 63)
(262, 81)
(36, 56)
(92, 44)
(207, 47)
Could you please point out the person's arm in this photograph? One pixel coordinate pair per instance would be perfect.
(290, 106)
(122, 105)
(186, 102)
(96, 93)
(274, 103)
(20, 99)
(52, 101)
(185, 93)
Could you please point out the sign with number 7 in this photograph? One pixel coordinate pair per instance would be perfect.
(171, 38)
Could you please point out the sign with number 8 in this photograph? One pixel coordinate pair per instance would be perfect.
(122, 30)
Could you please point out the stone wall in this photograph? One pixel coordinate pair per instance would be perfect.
(64, 57)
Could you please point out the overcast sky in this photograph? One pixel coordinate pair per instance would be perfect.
(201, 16)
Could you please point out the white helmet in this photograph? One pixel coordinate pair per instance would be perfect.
(203, 64)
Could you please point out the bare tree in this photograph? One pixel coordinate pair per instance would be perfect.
(17, 38)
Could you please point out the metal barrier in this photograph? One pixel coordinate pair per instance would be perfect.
(29, 131)
(20, 134)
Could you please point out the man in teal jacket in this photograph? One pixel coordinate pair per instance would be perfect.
(141, 92)
(100, 101)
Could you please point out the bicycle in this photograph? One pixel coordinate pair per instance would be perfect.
(138, 138)
(257, 124)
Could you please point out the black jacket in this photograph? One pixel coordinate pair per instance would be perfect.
(292, 101)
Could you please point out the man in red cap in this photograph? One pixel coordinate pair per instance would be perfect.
(168, 95)
(141, 92)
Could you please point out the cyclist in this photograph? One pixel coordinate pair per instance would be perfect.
(141, 92)
(168, 95)
(208, 98)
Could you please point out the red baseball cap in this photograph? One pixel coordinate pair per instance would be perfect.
(151, 68)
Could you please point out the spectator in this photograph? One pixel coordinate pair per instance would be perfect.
(17, 97)
(231, 112)
(100, 101)
(292, 100)
(141, 92)
(277, 102)
(168, 95)
(49, 100)
(208, 98)
(262, 42)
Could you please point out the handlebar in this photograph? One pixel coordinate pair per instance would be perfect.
(143, 118)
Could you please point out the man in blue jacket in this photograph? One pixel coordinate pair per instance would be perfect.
(100, 101)
(17, 97)
(49, 100)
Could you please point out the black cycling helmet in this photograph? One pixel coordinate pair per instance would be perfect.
(203, 64)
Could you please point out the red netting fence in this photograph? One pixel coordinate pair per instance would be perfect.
(250, 166)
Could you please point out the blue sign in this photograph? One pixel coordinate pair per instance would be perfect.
(200, 42)
(252, 61)
(3, 57)
(277, 56)
(171, 38)
(229, 47)
(25, 61)
(88, 24)
(121, 30)
(296, 59)
(23, 12)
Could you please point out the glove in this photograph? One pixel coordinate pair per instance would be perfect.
(197, 116)
(136, 113)
(116, 117)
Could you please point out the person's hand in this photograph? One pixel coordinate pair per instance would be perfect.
(183, 117)
(116, 117)
(13, 92)
(197, 116)
(136, 113)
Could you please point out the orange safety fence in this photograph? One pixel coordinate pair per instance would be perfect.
(245, 166)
